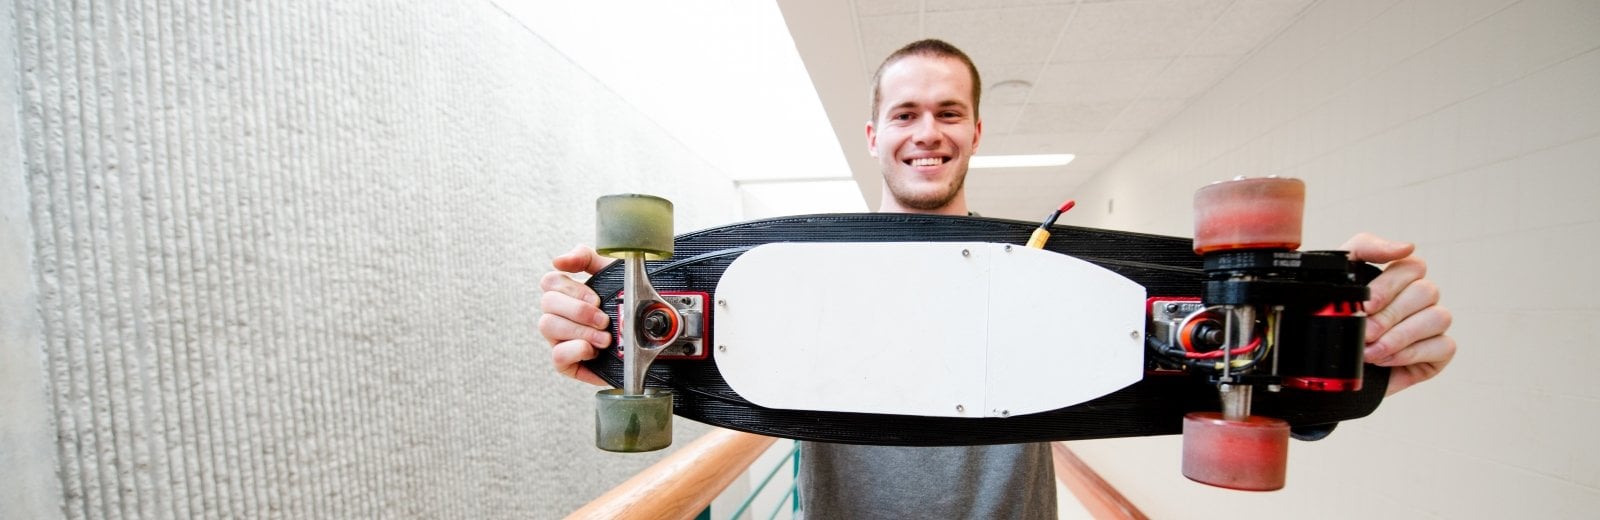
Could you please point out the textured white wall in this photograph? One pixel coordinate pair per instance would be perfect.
(1473, 129)
(27, 447)
(285, 256)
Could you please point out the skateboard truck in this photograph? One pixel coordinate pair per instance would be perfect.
(634, 228)
(1269, 317)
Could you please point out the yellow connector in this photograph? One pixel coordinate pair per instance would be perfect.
(1043, 233)
(1040, 235)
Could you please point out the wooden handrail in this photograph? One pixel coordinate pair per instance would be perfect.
(684, 483)
(1097, 496)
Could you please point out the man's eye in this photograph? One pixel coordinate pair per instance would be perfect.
(950, 115)
(902, 117)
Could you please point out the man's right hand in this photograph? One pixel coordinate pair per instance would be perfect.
(572, 321)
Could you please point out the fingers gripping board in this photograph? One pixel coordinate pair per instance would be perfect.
(974, 330)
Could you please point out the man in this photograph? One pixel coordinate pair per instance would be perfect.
(924, 130)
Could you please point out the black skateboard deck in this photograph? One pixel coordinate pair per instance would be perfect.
(1155, 405)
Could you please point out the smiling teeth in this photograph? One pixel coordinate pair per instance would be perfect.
(927, 161)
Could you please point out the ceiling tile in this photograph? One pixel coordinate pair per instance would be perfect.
(1001, 82)
(1247, 24)
(1000, 36)
(886, 7)
(969, 5)
(1135, 30)
(1070, 117)
(1189, 76)
(999, 120)
(1147, 114)
(882, 35)
(1019, 144)
(1094, 81)
(1114, 141)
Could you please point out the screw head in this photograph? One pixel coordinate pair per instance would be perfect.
(1133, 334)
(1008, 248)
(722, 348)
(961, 409)
(965, 252)
(1171, 307)
(1005, 413)
(722, 302)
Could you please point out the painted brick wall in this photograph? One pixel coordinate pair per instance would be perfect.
(281, 259)
(1473, 129)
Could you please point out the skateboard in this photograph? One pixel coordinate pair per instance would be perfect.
(1160, 335)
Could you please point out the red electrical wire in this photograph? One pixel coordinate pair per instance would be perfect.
(1218, 353)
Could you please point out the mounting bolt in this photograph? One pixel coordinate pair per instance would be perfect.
(1172, 308)
(722, 302)
(1134, 334)
(965, 252)
(685, 300)
(961, 409)
(722, 348)
(1008, 248)
(1005, 413)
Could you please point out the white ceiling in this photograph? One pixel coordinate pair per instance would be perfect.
(1085, 77)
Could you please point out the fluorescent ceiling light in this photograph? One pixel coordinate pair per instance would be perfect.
(1020, 161)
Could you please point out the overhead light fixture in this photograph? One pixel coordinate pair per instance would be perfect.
(1020, 161)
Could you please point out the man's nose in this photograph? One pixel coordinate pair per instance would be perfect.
(926, 132)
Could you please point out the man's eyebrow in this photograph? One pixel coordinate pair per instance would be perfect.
(942, 104)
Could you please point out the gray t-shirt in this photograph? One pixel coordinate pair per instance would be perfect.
(1002, 481)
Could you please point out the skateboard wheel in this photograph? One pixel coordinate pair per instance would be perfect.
(632, 223)
(1255, 213)
(1248, 455)
(633, 423)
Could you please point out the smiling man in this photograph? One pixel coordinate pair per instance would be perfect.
(924, 130)
(925, 127)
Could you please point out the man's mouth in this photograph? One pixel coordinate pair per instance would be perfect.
(927, 161)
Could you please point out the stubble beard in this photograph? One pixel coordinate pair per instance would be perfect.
(900, 188)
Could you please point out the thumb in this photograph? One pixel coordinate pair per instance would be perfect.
(581, 259)
(1368, 247)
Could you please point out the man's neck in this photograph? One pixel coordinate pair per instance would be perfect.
(957, 206)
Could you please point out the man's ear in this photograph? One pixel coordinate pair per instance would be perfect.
(872, 139)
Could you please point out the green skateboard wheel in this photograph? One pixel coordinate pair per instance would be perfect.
(633, 423)
(632, 223)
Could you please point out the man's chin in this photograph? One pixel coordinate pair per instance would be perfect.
(923, 200)
(915, 191)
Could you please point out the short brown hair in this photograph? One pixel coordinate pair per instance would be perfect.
(929, 47)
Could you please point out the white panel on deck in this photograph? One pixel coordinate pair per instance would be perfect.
(922, 328)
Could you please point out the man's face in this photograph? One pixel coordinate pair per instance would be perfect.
(925, 131)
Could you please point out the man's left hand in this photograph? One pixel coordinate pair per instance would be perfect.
(1405, 323)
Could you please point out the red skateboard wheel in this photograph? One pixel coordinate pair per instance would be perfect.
(1248, 455)
(1256, 213)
